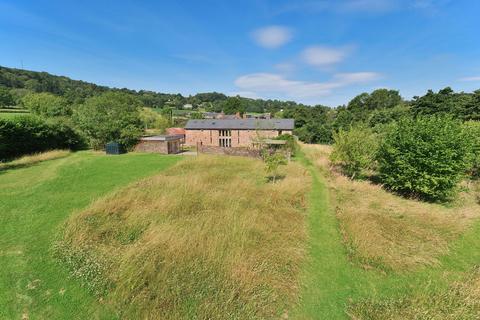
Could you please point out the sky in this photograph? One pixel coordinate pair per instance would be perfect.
(309, 51)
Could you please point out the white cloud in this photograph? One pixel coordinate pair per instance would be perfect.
(356, 77)
(274, 84)
(272, 37)
(470, 79)
(323, 56)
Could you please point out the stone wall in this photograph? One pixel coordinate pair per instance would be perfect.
(238, 151)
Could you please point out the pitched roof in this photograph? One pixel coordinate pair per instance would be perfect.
(241, 124)
(163, 137)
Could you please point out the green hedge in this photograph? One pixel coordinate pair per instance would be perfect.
(27, 134)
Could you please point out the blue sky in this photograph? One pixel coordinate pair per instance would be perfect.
(310, 51)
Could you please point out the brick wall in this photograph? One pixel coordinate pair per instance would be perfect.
(240, 138)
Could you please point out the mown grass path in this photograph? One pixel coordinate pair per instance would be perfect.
(34, 201)
(330, 282)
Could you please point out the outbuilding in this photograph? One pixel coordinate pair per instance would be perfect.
(165, 144)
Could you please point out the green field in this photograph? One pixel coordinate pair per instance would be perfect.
(34, 201)
(10, 115)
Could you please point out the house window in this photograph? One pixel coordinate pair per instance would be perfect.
(225, 138)
(225, 133)
(225, 142)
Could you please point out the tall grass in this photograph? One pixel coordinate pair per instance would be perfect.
(390, 233)
(34, 158)
(207, 239)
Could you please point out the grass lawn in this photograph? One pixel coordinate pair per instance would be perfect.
(34, 201)
(335, 287)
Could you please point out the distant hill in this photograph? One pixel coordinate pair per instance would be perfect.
(76, 91)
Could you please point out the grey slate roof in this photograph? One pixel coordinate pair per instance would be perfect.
(166, 137)
(241, 124)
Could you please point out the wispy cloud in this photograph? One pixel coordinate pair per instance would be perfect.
(275, 84)
(360, 6)
(321, 56)
(428, 4)
(470, 79)
(272, 36)
(369, 5)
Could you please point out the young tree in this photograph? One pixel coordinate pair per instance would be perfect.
(354, 150)
(112, 116)
(272, 163)
(153, 120)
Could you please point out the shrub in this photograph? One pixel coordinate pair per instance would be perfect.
(291, 143)
(424, 157)
(472, 129)
(354, 150)
(26, 134)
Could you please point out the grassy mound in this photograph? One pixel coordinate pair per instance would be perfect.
(208, 238)
(387, 232)
(461, 300)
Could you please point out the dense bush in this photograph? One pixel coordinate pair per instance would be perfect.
(472, 129)
(6, 98)
(354, 149)
(424, 157)
(27, 134)
(112, 116)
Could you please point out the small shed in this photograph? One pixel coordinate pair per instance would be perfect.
(114, 148)
(165, 144)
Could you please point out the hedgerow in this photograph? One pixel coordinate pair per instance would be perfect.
(27, 134)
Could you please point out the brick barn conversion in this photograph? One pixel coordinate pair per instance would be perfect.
(234, 133)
